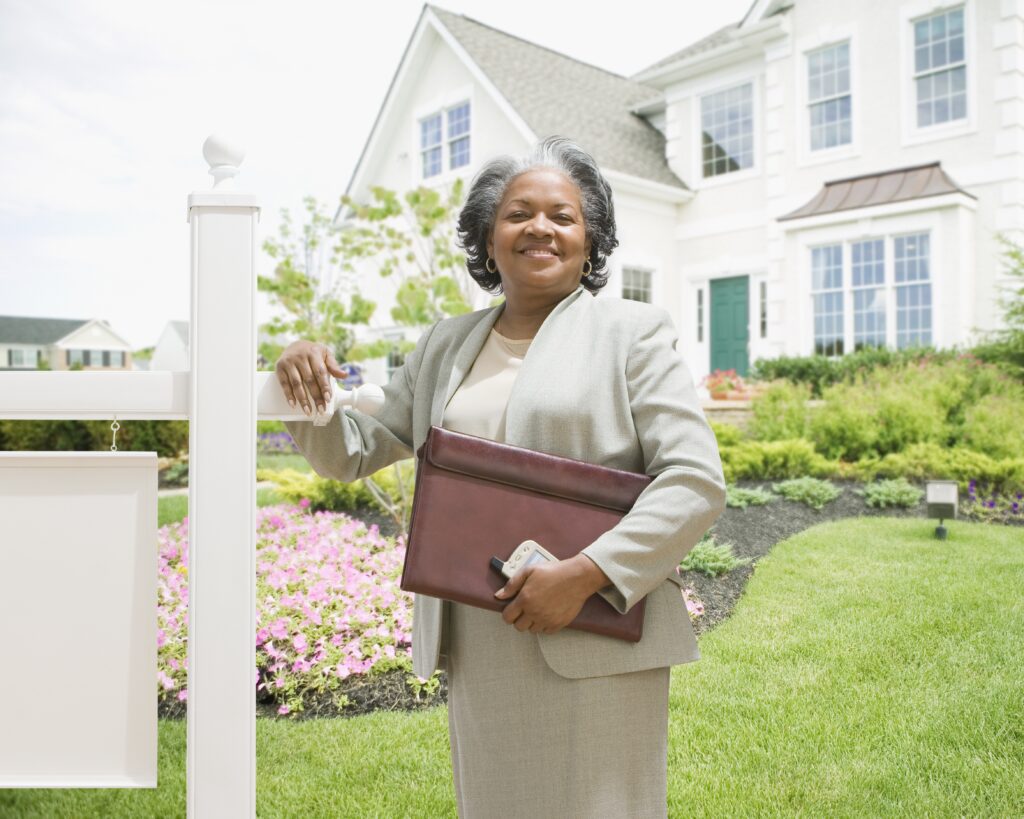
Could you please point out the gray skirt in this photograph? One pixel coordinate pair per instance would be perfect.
(526, 742)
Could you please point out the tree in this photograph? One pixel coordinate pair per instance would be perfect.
(1006, 345)
(309, 282)
(410, 239)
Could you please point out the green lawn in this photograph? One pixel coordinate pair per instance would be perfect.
(868, 670)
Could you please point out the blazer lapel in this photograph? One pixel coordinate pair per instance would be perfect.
(454, 369)
(549, 337)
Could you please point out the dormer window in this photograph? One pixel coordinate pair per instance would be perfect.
(444, 140)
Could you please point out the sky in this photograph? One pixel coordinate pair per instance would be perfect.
(104, 107)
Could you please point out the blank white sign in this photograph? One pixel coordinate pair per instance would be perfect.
(78, 572)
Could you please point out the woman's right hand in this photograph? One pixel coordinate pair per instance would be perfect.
(304, 371)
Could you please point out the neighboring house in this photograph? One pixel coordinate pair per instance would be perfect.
(26, 341)
(171, 350)
(816, 177)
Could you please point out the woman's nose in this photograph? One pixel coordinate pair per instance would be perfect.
(539, 225)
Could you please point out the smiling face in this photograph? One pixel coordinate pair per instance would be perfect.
(539, 242)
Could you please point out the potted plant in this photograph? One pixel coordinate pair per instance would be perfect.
(721, 383)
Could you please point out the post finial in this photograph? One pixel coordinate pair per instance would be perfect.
(223, 157)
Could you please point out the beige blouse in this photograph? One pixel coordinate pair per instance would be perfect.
(478, 405)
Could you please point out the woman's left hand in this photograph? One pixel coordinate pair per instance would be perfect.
(548, 597)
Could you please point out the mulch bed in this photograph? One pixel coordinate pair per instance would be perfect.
(751, 532)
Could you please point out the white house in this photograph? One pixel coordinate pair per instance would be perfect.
(26, 341)
(171, 350)
(815, 177)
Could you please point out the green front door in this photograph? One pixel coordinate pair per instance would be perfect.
(730, 312)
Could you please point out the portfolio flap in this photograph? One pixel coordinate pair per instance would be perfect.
(548, 474)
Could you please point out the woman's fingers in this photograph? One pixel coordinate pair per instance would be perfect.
(304, 372)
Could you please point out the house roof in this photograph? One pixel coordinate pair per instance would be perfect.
(29, 330)
(898, 185)
(713, 40)
(719, 37)
(555, 94)
(181, 328)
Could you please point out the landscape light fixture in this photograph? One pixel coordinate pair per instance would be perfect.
(942, 501)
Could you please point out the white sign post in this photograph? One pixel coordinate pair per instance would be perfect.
(221, 752)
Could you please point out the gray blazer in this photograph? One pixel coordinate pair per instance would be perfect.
(602, 382)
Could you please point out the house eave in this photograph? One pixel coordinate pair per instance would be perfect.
(745, 43)
(628, 183)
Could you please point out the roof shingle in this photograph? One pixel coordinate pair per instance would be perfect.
(555, 94)
(28, 330)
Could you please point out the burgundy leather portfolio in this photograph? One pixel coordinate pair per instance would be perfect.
(476, 499)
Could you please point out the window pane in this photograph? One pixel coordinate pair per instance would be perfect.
(827, 267)
(458, 121)
(868, 266)
(432, 162)
(430, 131)
(459, 153)
(636, 284)
(828, 94)
(727, 130)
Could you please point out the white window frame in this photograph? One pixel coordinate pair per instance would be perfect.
(642, 269)
(882, 227)
(753, 76)
(441, 104)
(827, 38)
(909, 14)
(24, 353)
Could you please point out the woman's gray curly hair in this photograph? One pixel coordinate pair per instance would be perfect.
(476, 220)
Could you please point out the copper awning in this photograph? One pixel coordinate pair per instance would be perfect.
(898, 185)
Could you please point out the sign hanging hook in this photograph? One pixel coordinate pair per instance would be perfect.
(115, 427)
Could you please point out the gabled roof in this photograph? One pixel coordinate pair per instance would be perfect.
(758, 11)
(898, 185)
(181, 329)
(554, 94)
(713, 40)
(29, 330)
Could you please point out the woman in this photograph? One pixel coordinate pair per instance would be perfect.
(544, 720)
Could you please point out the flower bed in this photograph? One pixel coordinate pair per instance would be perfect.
(328, 607)
(334, 629)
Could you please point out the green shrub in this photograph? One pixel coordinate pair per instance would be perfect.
(270, 426)
(740, 498)
(324, 494)
(726, 434)
(819, 372)
(894, 492)
(711, 559)
(168, 439)
(923, 461)
(780, 412)
(815, 493)
(995, 426)
(906, 411)
(843, 428)
(766, 460)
